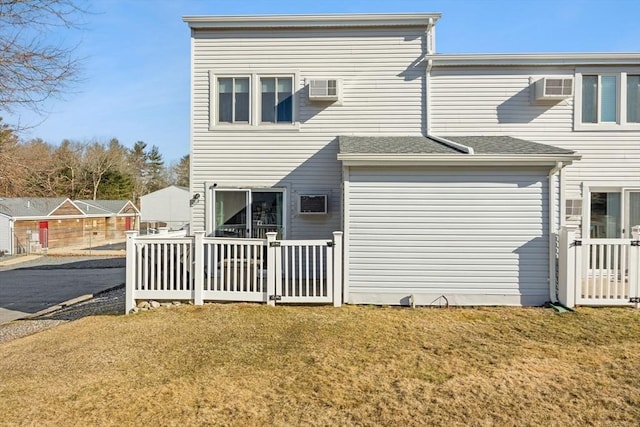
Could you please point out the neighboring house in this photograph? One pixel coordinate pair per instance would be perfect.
(33, 224)
(450, 175)
(167, 207)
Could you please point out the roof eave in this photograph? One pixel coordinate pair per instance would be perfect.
(455, 160)
(47, 217)
(311, 21)
(523, 59)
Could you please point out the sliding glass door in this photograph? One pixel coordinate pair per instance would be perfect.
(248, 213)
(231, 213)
(632, 208)
(605, 215)
(614, 213)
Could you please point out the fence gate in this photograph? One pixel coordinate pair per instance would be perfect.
(599, 271)
(303, 271)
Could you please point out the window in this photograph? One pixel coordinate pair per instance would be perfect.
(608, 101)
(633, 99)
(246, 100)
(233, 100)
(599, 99)
(276, 94)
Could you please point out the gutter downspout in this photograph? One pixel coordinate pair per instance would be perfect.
(430, 49)
(553, 295)
(430, 43)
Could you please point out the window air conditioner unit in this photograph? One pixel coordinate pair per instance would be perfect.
(552, 88)
(324, 90)
(312, 204)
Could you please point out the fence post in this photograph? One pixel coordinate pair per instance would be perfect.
(337, 268)
(198, 268)
(567, 266)
(634, 265)
(271, 268)
(131, 274)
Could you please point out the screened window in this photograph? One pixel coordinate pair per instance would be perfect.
(633, 98)
(233, 100)
(589, 99)
(276, 97)
(599, 99)
(609, 99)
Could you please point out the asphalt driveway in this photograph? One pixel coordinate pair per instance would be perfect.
(39, 284)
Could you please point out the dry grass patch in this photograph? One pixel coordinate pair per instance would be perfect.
(253, 365)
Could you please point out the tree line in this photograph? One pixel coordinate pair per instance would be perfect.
(84, 170)
(36, 64)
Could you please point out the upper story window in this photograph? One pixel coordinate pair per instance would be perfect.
(633, 98)
(246, 101)
(233, 100)
(608, 101)
(276, 99)
(599, 99)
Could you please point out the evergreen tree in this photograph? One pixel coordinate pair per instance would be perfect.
(181, 171)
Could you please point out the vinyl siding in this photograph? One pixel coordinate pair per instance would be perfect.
(382, 93)
(5, 235)
(496, 101)
(473, 235)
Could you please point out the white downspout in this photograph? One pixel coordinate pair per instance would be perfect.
(552, 226)
(430, 42)
(427, 98)
(430, 49)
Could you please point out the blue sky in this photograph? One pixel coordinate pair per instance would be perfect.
(135, 82)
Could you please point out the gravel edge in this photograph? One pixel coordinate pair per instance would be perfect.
(110, 302)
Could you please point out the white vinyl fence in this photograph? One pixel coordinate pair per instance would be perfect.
(599, 271)
(199, 268)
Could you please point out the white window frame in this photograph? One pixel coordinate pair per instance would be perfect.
(621, 123)
(214, 98)
(294, 99)
(210, 205)
(623, 189)
(255, 113)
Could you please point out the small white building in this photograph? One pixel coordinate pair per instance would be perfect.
(167, 207)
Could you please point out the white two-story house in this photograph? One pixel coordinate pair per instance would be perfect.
(449, 175)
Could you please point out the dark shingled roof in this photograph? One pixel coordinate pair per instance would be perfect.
(392, 145)
(505, 145)
(500, 145)
(99, 207)
(29, 206)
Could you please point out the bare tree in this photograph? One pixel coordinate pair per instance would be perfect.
(33, 64)
(68, 161)
(11, 172)
(98, 162)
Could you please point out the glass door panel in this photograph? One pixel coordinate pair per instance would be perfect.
(632, 202)
(605, 215)
(266, 213)
(231, 213)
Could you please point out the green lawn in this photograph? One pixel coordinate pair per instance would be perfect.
(258, 365)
